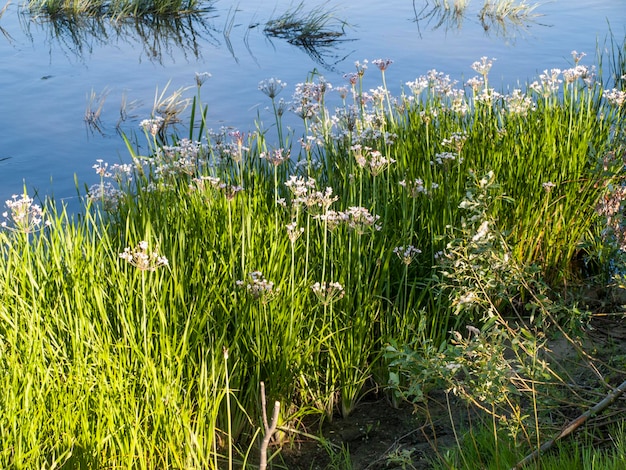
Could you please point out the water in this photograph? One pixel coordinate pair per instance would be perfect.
(46, 76)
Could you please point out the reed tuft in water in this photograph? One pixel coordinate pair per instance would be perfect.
(115, 9)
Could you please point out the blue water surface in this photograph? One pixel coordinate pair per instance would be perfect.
(46, 75)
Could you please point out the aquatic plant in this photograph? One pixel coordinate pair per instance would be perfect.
(93, 111)
(495, 15)
(316, 27)
(216, 261)
(114, 9)
(315, 31)
(503, 14)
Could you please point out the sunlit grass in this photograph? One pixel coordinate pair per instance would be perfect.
(476, 451)
(137, 334)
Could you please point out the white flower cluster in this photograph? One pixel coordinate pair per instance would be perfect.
(185, 158)
(372, 160)
(406, 253)
(582, 72)
(308, 97)
(23, 216)
(519, 104)
(382, 64)
(105, 193)
(548, 83)
(327, 293)
(488, 96)
(440, 83)
(257, 286)
(142, 259)
(443, 157)
(229, 190)
(293, 231)
(455, 141)
(303, 192)
(416, 186)
(202, 77)
(483, 66)
(276, 157)
(418, 85)
(152, 126)
(615, 97)
(101, 168)
(271, 87)
(358, 219)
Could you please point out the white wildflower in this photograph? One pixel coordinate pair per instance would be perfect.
(327, 293)
(142, 259)
(406, 253)
(272, 87)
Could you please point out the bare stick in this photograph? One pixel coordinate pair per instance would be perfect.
(573, 425)
(269, 429)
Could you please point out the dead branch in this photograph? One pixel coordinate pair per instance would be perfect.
(573, 425)
(269, 429)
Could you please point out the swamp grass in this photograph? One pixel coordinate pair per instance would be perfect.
(115, 9)
(502, 16)
(314, 28)
(170, 27)
(248, 266)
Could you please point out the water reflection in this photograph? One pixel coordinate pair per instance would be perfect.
(160, 36)
(325, 53)
(504, 18)
(316, 32)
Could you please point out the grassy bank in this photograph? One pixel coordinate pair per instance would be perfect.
(137, 334)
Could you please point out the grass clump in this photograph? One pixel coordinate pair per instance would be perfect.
(317, 27)
(315, 31)
(115, 9)
(138, 333)
(498, 15)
